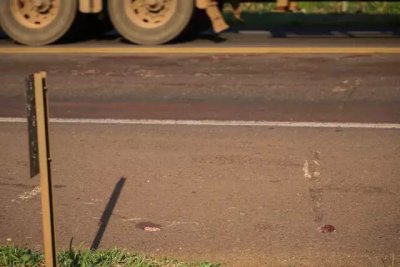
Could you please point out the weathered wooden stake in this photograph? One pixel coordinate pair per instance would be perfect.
(37, 108)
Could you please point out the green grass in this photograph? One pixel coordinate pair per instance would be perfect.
(14, 256)
(330, 7)
(260, 16)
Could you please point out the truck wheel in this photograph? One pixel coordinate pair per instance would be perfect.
(150, 22)
(37, 22)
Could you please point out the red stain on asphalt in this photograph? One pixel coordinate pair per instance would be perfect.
(327, 228)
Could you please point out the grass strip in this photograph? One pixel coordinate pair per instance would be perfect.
(16, 256)
(323, 7)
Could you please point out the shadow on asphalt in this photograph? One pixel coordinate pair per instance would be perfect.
(2, 35)
(214, 38)
(105, 218)
(279, 25)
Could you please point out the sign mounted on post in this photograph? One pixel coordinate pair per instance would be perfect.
(32, 125)
(39, 154)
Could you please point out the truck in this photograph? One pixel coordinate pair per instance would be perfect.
(146, 22)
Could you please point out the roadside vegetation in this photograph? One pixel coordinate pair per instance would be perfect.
(386, 7)
(15, 256)
(342, 15)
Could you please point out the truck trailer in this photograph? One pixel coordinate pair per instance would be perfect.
(146, 22)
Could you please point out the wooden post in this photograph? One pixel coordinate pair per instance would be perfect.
(40, 122)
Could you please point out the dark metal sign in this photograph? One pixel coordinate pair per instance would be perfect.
(32, 125)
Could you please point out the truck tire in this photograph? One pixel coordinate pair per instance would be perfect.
(150, 22)
(37, 23)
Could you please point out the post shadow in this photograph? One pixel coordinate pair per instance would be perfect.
(105, 217)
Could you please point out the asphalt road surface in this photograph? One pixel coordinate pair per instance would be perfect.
(246, 39)
(236, 194)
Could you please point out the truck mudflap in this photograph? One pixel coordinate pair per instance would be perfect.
(213, 12)
(90, 6)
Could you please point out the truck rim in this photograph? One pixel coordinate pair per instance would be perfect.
(35, 14)
(150, 13)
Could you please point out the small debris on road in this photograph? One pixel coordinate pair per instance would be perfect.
(92, 201)
(151, 229)
(338, 89)
(90, 71)
(327, 228)
(149, 226)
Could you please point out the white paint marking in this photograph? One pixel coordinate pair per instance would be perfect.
(310, 169)
(31, 194)
(218, 123)
(306, 171)
(178, 223)
(132, 219)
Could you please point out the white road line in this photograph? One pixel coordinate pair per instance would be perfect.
(218, 123)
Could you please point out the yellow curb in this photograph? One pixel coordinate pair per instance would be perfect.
(199, 50)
